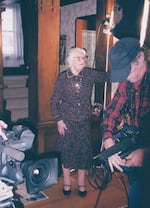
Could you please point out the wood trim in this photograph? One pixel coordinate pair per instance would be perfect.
(48, 55)
(80, 25)
(103, 7)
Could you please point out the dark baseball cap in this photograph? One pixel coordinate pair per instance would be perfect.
(120, 56)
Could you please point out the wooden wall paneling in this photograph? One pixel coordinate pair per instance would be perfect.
(48, 67)
(47, 137)
(48, 54)
(103, 7)
(43, 60)
(81, 24)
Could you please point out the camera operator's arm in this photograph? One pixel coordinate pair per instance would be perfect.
(3, 126)
(114, 111)
(137, 157)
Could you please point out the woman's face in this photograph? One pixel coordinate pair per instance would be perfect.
(77, 62)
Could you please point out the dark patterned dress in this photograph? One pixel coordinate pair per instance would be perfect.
(71, 102)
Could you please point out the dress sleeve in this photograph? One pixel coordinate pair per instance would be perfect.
(99, 76)
(55, 100)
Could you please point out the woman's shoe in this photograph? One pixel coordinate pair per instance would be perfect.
(82, 193)
(66, 192)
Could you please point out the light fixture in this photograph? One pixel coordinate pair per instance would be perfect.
(107, 31)
(144, 22)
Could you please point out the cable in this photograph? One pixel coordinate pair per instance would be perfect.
(98, 198)
(99, 176)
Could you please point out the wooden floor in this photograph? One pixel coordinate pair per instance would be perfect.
(114, 196)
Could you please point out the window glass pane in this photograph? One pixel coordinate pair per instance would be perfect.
(7, 17)
(7, 32)
(8, 43)
(12, 37)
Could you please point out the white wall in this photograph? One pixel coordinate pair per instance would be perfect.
(69, 13)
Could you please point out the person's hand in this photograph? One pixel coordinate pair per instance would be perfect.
(61, 126)
(3, 126)
(114, 160)
(136, 158)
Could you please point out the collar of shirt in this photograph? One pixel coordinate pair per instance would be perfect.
(70, 74)
(136, 85)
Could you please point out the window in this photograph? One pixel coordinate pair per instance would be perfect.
(12, 37)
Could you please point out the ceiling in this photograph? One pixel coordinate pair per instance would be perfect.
(62, 2)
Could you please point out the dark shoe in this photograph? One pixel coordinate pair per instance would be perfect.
(82, 193)
(66, 192)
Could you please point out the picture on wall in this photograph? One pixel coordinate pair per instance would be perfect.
(62, 50)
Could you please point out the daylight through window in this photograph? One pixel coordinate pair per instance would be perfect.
(12, 37)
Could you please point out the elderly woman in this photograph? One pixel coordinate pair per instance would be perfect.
(71, 110)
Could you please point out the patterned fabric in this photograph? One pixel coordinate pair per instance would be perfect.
(127, 97)
(75, 146)
(71, 102)
(71, 97)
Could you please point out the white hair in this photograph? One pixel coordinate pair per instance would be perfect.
(75, 52)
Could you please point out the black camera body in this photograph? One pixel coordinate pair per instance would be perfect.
(126, 141)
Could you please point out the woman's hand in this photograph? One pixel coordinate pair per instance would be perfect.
(61, 126)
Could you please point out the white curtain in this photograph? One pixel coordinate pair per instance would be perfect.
(12, 37)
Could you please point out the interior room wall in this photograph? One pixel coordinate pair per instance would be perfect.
(69, 13)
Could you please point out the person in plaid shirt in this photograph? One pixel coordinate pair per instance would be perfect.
(129, 67)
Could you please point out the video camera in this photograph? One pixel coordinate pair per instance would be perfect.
(126, 141)
(19, 164)
(19, 139)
